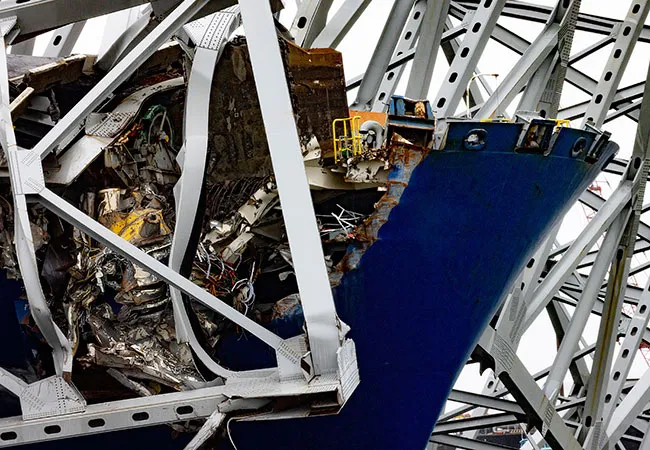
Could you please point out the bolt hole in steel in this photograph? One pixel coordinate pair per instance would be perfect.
(57, 40)
(302, 22)
(636, 8)
(625, 353)
(487, 3)
(476, 27)
(416, 16)
(642, 309)
(52, 429)
(464, 52)
(491, 384)
(626, 31)
(408, 35)
(599, 98)
(608, 76)
(634, 331)
(608, 398)
(8, 436)
(617, 375)
(531, 263)
(453, 77)
(183, 410)
(140, 417)
(391, 75)
(617, 53)
(96, 423)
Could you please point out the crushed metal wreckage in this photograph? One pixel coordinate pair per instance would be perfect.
(123, 170)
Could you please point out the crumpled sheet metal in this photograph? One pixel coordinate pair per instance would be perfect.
(145, 347)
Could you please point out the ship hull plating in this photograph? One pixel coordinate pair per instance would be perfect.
(417, 301)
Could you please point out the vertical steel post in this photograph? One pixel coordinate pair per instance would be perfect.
(26, 178)
(583, 311)
(64, 39)
(426, 52)
(406, 42)
(617, 62)
(462, 68)
(381, 56)
(310, 21)
(293, 187)
(339, 26)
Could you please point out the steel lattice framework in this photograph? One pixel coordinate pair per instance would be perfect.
(601, 403)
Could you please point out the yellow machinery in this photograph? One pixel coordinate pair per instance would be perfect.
(347, 143)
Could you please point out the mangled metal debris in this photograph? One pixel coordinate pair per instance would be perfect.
(122, 168)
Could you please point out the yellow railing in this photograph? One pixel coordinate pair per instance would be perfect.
(559, 123)
(349, 143)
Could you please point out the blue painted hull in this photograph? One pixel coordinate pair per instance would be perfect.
(421, 294)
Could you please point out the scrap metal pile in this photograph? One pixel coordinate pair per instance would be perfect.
(118, 316)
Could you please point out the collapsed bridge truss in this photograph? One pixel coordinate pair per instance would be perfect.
(600, 406)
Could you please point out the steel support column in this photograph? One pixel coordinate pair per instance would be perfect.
(337, 28)
(571, 258)
(493, 350)
(310, 21)
(617, 62)
(409, 36)
(382, 55)
(427, 49)
(580, 316)
(193, 158)
(32, 175)
(64, 39)
(293, 187)
(461, 70)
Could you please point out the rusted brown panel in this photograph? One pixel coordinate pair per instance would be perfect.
(317, 84)
(45, 77)
(238, 146)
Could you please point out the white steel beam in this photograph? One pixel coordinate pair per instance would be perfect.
(63, 40)
(371, 82)
(102, 234)
(631, 406)
(124, 69)
(462, 68)
(603, 384)
(339, 26)
(310, 21)
(571, 258)
(30, 175)
(426, 51)
(583, 311)
(617, 62)
(293, 187)
(406, 42)
(37, 16)
(539, 51)
(193, 158)
(523, 387)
